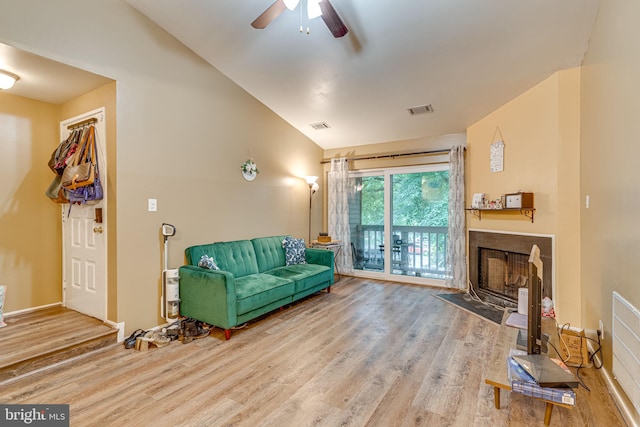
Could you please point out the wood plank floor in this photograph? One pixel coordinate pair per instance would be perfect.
(39, 338)
(370, 353)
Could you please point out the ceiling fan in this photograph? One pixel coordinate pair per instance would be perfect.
(315, 8)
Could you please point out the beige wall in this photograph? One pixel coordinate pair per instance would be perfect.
(542, 147)
(610, 172)
(30, 260)
(183, 130)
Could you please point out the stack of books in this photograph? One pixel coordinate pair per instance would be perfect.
(522, 382)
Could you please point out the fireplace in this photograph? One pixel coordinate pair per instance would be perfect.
(502, 273)
(499, 264)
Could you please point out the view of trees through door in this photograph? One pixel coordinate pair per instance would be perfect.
(412, 205)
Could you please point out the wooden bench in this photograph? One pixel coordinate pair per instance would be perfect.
(497, 373)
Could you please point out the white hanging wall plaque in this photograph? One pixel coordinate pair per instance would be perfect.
(497, 157)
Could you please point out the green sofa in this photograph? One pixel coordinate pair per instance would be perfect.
(253, 280)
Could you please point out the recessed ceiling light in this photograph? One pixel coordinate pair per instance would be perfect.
(421, 109)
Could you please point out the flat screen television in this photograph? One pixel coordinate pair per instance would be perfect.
(546, 372)
(531, 339)
(534, 312)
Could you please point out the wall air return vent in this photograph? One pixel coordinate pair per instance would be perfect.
(421, 109)
(320, 125)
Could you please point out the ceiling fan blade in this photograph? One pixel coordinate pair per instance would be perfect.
(333, 21)
(269, 15)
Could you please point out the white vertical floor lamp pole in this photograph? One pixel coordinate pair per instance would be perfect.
(313, 187)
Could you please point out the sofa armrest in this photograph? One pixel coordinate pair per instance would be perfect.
(208, 296)
(320, 256)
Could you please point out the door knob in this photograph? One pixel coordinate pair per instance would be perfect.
(97, 229)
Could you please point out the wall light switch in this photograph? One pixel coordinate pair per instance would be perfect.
(586, 201)
(153, 205)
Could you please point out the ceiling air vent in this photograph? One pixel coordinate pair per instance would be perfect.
(320, 126)
(422, 109)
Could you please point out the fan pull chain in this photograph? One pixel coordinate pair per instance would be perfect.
(300, 17)
(301, 29)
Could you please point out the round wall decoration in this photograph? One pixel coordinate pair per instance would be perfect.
(249, 170)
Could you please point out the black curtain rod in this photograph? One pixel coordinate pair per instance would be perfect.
(393, 156)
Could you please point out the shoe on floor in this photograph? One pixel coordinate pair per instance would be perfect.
(193, 329)
(130, 341)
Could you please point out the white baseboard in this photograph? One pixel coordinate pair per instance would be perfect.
(119, 326)
(27, 310)
(629, 413)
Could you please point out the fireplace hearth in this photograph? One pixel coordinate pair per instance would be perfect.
(498, 264)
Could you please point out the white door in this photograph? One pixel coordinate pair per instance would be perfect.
(84, 238)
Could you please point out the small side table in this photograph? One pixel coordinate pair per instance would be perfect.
(496, 374)
(335, 246)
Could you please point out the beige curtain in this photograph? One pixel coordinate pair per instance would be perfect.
(339, 212)
(456, 249)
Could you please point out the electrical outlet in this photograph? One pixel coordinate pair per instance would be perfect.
(601, 328)
(153, 205)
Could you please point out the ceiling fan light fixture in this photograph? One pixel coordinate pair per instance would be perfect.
(313, 9)
(291, 4)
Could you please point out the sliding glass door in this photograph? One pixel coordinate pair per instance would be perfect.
(366, 221)
(399, 220)
(419, 219)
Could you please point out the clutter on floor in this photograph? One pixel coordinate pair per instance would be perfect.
(184, 330)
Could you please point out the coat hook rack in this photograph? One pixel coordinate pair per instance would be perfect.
(90, 121)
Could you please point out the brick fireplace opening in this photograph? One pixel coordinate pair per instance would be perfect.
(499, 264)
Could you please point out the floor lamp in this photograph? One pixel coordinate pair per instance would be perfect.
(313, 187)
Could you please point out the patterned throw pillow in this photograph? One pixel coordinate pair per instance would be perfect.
(294, 251)
(208, 262)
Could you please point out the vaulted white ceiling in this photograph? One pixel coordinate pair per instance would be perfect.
(464, 57)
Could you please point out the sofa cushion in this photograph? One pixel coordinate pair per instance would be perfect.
(237, 257)
(257, 290)
(269, 252)
(304, 275)
(294, 251)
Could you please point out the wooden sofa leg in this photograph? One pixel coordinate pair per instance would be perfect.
(329, 290)
(227, 334)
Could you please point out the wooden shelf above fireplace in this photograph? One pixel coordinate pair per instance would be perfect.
(528, 212)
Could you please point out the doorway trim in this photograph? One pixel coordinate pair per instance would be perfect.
(101, 303)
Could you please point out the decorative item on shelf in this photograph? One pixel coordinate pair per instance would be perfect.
(519, 200)
(478, 201)
(249, 170)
